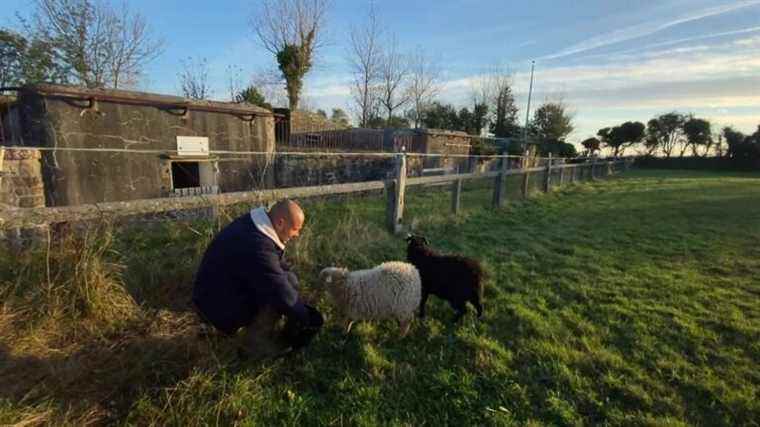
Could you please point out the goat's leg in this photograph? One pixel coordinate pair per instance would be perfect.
(478, 306)
(461, 309)
(422, 304)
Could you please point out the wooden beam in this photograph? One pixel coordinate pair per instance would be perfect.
(25, 217)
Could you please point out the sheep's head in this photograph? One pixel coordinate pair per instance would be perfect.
(416, 241)
(333, 275)
(335, 278)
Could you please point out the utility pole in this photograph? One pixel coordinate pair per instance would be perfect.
(527, 111)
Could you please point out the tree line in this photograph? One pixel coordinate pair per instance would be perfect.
(674, 134)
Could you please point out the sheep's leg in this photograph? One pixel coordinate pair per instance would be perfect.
(422, 304)
(347, 324)
(405, 325)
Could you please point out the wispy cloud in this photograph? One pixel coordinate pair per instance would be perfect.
(647, 49)
(645, 29)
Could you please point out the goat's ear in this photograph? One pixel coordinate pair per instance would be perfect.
(408, 237)
(425, 240)
(328, 278)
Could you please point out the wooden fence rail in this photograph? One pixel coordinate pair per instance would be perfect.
(20, 218)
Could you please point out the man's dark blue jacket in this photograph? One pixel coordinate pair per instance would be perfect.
(242, 271)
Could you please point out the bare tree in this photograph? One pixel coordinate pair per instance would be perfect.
(292, 31)
(193, 78)
(269, 84)
(102, 46)
(364, 54)
(129, 47)
(235, 83)
(394, 72)
(424, 83)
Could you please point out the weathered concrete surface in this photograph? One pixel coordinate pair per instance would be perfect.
(57, 116)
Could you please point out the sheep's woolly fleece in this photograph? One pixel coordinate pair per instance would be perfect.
(390, 290)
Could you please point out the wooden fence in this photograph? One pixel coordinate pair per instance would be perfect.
(395, 188)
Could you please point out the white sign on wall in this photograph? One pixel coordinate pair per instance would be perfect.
(192, 145)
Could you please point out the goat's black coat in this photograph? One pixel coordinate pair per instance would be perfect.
(455, 278)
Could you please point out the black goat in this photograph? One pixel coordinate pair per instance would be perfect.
(455, 278)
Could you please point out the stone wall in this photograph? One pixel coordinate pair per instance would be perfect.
(292, 171)
(21, 179)
(436, 141)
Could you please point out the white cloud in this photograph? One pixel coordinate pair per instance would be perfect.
(645, 29)
(646, 50)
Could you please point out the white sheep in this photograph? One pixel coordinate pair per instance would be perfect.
(392, 290)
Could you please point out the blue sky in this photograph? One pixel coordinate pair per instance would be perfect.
(610, 61)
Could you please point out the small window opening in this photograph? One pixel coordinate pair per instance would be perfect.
(186, 174)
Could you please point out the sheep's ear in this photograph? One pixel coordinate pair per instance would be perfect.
(425, 240)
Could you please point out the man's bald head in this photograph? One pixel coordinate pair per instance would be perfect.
(287, 219)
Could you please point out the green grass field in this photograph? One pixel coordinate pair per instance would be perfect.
(630, 301)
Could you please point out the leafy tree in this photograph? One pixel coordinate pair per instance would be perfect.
(620, 137)
(734, 139)
(552, 121)
(251, 95)
(322, 113)
(28, 62)
(591, 145)
(471, 122)
(440, 116)
(505, 112)
(340, 117)
(395, 122)
(698, 134)
(568, 150)
(743, 150)
(12, 49)
(665, 132)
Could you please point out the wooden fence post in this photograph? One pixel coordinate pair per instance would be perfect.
(548, 177)
(395, 207)
(526, 177)
(2, 157)
(498, 191)
(456, 194)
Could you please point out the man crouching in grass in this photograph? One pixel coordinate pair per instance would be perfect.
(244, 282)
